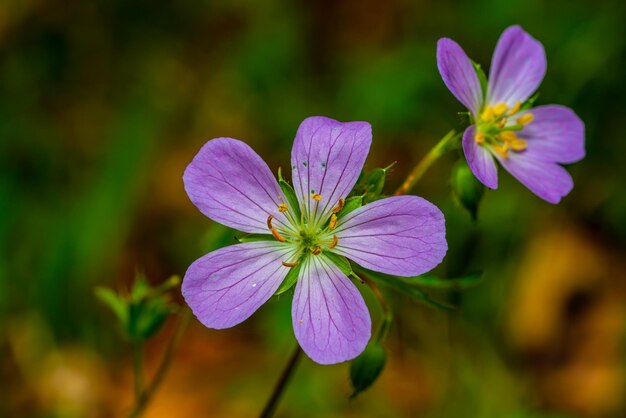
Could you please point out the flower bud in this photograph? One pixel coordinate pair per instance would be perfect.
(467, 190)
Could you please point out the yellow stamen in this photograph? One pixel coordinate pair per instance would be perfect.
(525, 119)
(339, 205)
(316, 196)
(516, 107)
(502, 150)
(333, 244)
(487, 114)
(479, 138)
(283, 207)
(518, 145)
(333, 222)
(269, 222)
(317, 250)
(286, 264)
(500, 109)
(508, 136)
(502, 123)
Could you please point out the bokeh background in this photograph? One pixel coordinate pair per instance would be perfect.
(104, 102)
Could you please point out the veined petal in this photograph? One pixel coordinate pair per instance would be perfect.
(517, 67)
(479, 159)
(556, 134)
(326, 159)
(330, 319)
(401, 235)
(232, 185)
(548, 180)
(225, 287)
(458, 74)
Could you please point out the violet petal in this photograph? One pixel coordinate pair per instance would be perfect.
(479, 159)
(458, 74)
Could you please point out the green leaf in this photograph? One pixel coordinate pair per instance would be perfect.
(290, 195)
(349, 205)
(152, 315)
(529, 103)
(402, 285)
(114, 302)
(341, 262)
(365, 369)
(482, 78)
(457, 283)
(254, 237)
(290, 279)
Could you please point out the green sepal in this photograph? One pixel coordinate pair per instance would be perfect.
(290, 279)
(466, 188)
(341, 262)
(367, 367)
(482, 78)
(529, 103)
(349, 205)
(374, 183)
(290, 195)
(254, 237)
(402, 284)
(115, 302)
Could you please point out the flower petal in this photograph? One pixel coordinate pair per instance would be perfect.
(326, 159)
(556, 134)
(547, 180)
(517, 67)
(330, 318)
(225, 287)
(232, 185)
(458, 74)
(479, 159)
(401, 235)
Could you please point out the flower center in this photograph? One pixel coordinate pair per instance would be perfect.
(306, 238)
(495, 128)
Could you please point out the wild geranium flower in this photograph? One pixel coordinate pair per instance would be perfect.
(529, 143)
(232, 185)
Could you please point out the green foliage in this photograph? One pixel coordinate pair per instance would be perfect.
(290, 195)
(290, 280)
(482, 78)
(142, 312)
(367, 367)
(351, 203)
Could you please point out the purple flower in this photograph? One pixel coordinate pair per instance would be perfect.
(529, 144)
(232, 185)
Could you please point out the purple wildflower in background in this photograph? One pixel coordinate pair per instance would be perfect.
(530, 145)
(232, 185)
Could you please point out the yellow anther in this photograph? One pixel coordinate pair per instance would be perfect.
(502, 123)
(487, 115)
(334, 242)
(333, 222)
(316, 196)
(286, 264)
(525, 119)
(516, 107)
(508, 136)
(283, 207)
(500, 109)
(339, 205)
(479, 138)
(502, 150)
(317, 250)
(518, 145)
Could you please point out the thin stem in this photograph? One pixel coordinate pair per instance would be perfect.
(147, 395)
(446, 144)
(279, 389)
(138, 368)
(384, 306)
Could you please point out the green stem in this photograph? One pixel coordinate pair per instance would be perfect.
(138, 368)
(447, 143)
(279, 389)
(146, 395)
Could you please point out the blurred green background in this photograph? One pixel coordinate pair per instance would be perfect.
(102, 105)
